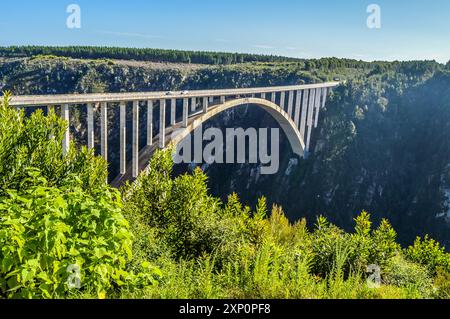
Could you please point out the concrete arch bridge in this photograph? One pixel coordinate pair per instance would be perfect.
(296, 108)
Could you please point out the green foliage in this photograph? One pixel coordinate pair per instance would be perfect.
(412, 277)
(208, 249)
(362, 248)
(442, 283)
(55, 210)
(58, 216)
(158, 55)
(429, 253)
(47, 57)
(44, 230)
(35, 143)
(180, 210)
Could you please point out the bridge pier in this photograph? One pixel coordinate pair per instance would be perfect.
(205, 105)
(311, 106)
(162, 124)
(185, 112)
(149, 122)
(298, 101)
(222, 99)
(290, 103)
(193, 104)
(317, 106)
(123, 138)
(273, 97)
(173, 111)
(135, 145)
(104, 130)
(65, 116)
(320, 106)
(304, 113)
(282, 100)
(90, 126)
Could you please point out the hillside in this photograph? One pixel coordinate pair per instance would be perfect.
(382, 146)
(366, 155)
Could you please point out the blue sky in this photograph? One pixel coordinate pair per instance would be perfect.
(411, 29)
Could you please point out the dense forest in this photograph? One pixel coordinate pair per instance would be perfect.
(382, 146)
(156, 55)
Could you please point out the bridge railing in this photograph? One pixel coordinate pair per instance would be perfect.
(303, 105)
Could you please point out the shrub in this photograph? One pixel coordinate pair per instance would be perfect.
(35, 142)
(412, 277)
(429, 253)
(324, 240)
(180, 210)
(442, 283)
(45, 230)
(60, 224)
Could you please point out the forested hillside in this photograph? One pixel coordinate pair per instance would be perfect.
(382, 146)
(372, 150)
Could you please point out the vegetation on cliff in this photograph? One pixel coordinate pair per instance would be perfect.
(166, 237)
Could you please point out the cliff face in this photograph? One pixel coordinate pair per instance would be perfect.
(382, 143)
(385, 150)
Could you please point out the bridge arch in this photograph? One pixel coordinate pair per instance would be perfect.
(286, 123)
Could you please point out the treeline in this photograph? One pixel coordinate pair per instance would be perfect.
(214, 58)
(154, 55)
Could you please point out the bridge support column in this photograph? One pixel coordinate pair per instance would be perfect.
(90, 126)
(135, 145)
(324, 93)
(222, 99)
(123, 138)
(193, 104)
(324, 96)
(273, 97)
(290, 103)
(162, 124)
(317, 106)
(298, 101)
(263, 96)
(104, 130)
(304, 114)
(65, 116)
(282, 100)
(185, 112)
(149, 122)
(211, 99)
(311, 105)
(173, 112)
(205, 105)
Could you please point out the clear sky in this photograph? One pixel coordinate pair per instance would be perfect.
(410, 29)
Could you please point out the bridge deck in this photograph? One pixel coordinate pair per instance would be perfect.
(44, 100)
